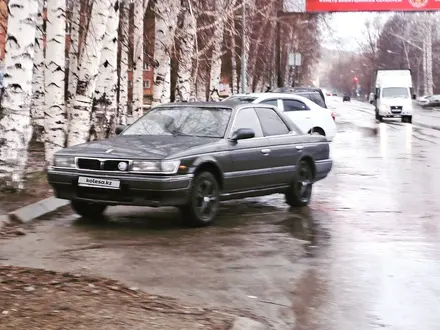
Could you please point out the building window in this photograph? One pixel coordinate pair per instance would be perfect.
(147, 83)
(130, 84)
(147, 67)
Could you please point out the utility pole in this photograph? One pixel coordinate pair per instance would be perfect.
(243, 49)
(280, 79)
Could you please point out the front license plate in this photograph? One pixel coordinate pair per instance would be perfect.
(98, 183)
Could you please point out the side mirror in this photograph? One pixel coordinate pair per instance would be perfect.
(414, 97)
(376, 97)
(119, 129)
(243, 133)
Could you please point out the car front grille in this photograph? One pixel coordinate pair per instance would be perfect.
(103, 165)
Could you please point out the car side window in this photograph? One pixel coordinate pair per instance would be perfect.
(318, 100)
(270, 102)
(271, 122)
(294, 105)
(247, 118)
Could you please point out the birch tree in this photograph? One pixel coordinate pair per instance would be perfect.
(166, 13)
(73, 53)
(15, 120)
(55, 110)
(104, 113)
(80, 115)
(123, 75)
(138, 61)
(37, 107)
(216, 57)
(185, 85)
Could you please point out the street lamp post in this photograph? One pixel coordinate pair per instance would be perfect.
(243, 49)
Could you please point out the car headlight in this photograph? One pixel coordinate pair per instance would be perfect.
(384, 107)
(63, 161)
(165, 166)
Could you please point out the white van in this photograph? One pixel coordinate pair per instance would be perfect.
(392, 95)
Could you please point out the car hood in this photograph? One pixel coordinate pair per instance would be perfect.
(137, 147)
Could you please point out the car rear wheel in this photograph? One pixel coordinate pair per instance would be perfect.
(317, 131)
(88, 209)
(204, 201)
(299, 192)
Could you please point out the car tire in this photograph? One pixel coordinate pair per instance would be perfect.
(204, 200)
(317, 131)
(299, 192)
(88, 209)
(407, 119)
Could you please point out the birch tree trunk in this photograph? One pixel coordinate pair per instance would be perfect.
(235, 88)
(73, 54)
(424, 68)
(37, 106)
(79, 121)
(15, 119)
(55, 112)
(104, 112)
(185, 84)
(429, 78)
(123, 76)
(138, 61)
(216, 57)
(166, 21)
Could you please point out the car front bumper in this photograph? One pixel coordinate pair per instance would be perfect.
(135, 189)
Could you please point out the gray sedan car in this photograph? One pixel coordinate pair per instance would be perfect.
(193, 155)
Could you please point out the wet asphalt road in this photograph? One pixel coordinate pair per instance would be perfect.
(364, 255)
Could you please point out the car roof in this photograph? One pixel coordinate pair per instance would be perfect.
(224, 104)
(278, 95)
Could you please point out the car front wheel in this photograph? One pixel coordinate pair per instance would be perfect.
(88, 209)
(204, 200)
(299, 192)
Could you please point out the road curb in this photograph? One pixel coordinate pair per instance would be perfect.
(244, 323)
(38, 209)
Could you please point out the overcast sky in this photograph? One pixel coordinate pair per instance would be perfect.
(347, 30)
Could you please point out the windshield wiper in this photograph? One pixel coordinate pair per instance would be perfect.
(176, 132)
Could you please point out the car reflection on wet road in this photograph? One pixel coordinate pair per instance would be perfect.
(364, 255)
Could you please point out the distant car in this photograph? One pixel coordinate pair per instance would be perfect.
(192, 155)
(423, 100)
(334, 94)
(307, 115)
(432, 101)
(346, 98)
(309, 92)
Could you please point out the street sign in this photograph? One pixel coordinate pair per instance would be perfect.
(294, 59)
(301, 6)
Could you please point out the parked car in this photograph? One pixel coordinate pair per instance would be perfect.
(423, 100)
(432, 101)
(346, 98)
(307, 115)
(192, 155)
(309, 92)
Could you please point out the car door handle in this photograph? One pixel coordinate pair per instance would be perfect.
(265, 151)
(299, 147)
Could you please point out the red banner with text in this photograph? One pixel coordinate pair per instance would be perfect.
(371, 5)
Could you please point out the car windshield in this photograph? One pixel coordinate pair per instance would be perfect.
(182, 121)
(241, 99)
(395, 92)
